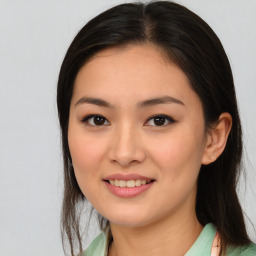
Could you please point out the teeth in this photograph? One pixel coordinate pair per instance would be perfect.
(130, 183)
(138, 183)
(122, 183)
(127, 183)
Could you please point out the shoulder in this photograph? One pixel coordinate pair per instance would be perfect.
(97, 247)
(246, 250)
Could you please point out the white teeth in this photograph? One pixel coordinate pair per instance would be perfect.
(138, 183)
(127, 183)
(122, 183)
(130, 183)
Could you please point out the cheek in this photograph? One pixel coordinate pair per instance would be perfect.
(180, 151)
(86, 156)
(85, 153)
(178, 158)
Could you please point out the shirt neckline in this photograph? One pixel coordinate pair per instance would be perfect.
(202, 246)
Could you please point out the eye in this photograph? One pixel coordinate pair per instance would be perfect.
(95, 120)
(160, 120)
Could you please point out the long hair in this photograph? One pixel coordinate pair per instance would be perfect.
(191, 44)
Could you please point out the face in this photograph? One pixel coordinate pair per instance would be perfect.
(134, 119)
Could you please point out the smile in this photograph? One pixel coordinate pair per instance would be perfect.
(128, 183)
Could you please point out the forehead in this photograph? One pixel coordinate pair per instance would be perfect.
(132, 73)
(146, 50)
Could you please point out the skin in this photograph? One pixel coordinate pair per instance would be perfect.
(161, 220)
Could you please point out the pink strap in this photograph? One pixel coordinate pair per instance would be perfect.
(216, 245)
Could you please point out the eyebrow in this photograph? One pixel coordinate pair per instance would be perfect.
(160, 100)
(146, 103)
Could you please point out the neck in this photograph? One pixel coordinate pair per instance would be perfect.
(166, 237)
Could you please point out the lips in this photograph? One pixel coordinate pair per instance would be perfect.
(129, 185)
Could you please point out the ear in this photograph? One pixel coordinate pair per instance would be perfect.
(216, 139)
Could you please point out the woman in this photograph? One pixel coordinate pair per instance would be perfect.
(151, 135)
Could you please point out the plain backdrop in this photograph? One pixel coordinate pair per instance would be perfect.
(34, 36)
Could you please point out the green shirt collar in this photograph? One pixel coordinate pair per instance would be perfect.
(203, 244)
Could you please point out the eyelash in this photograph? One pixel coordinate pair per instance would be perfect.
(168, 118)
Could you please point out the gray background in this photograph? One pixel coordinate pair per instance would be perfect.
(34, 36)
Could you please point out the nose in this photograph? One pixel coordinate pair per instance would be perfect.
(126, 146)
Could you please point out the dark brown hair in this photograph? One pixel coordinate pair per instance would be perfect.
(190, 43)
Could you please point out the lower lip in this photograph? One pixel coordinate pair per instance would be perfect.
(128, 192)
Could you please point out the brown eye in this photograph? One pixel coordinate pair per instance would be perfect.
(96, 120)
(160, 120)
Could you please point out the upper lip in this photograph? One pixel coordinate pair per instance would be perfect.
(130, 176)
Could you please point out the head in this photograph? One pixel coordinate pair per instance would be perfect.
(182, 50)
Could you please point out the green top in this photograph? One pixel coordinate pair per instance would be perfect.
(201, 247)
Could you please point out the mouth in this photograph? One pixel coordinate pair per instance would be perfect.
(129, 183)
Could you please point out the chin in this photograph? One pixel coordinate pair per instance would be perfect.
(129, 214)
(128, 223)
(130, 220)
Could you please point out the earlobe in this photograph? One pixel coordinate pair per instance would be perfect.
(217, 138)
